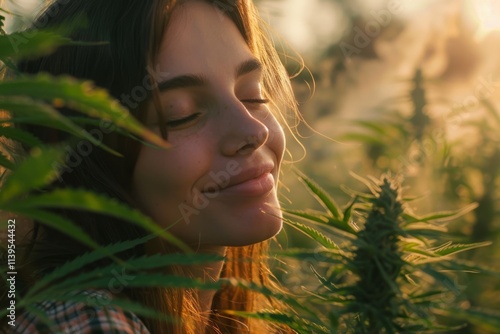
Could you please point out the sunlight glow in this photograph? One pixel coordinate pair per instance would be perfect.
(487, 13)
(304, 23)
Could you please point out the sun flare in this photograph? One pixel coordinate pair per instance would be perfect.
(486, 14)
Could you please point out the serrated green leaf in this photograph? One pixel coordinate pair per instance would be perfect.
(449, 248)
(81, 96)
(26, 106)
(26, 110)
(98, 280)
(313, 234)
(321, 218)
(62, 224)
(343, 226)
(85, 259)
(419, 226)
(419, 251)
(313, 215)
(323, 198)
(85, 200)
(35, 171)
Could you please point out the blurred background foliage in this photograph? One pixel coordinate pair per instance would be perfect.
(411, 87)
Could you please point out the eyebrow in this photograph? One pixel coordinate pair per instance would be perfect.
(193, 80)
(248, 66)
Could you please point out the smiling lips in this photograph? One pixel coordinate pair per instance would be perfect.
(255, 181)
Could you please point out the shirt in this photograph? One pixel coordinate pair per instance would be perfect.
(72, 317)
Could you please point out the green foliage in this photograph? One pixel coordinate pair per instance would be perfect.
(422, 139)
(34, 100)
(388, 277)
(26, 178)
(81, 96)
(84, 200)
(64, 283)
(378, 267)
(377, 263)
(16, 45)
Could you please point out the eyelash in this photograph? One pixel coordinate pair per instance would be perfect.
(179, 122)
(256, 101)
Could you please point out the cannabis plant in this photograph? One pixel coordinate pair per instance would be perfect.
(380, 268)
(424, 146)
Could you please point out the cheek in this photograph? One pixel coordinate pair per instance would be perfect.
(166, 178)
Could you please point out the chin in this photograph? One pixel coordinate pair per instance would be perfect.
(261, 228)
(233, 224)
(242, 231)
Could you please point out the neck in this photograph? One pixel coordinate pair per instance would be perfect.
(207, 272)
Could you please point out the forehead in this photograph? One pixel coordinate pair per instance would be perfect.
(201, 39)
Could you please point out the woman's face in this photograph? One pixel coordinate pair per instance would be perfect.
(216, 186)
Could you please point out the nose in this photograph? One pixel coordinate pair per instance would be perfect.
(242, 133)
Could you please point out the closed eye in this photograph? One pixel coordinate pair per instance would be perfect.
(256, 101)
(176, 123)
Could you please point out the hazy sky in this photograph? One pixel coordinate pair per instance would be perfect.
(305, 23)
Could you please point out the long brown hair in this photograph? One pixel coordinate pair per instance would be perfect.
(133, 30)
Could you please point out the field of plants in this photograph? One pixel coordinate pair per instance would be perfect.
(391, 191)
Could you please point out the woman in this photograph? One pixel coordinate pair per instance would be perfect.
(202, 75)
